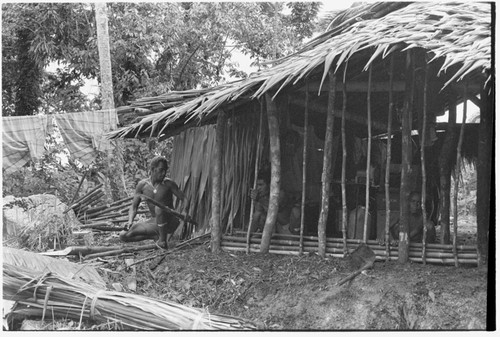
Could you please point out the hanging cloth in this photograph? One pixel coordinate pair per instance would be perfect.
(84, 132)
(23, 139)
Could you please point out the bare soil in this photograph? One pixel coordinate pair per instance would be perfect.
(279, 292)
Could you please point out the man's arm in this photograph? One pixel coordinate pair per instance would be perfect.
(134, 206)
(179, 195)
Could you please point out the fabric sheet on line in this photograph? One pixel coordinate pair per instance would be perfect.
(23, 139)
(84, 132)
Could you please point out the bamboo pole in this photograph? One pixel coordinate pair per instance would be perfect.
(344, 162)
(94, 214)
(423, 195)
(84, 197)
(406, 160)
(368, 153)
(215, 219)
(85, 204)
(109, 206)
(304, 167)
(327, 164)
(78, 188)
(235, 172)
(256, 171)
(457, 171)
(338, 247)
(416, 245)
(389, 156)
(414, 255)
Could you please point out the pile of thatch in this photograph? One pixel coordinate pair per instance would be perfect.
(48, 295)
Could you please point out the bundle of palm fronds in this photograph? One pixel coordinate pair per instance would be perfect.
(53, 296)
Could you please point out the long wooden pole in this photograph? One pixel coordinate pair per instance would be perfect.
(344, 163)
(304, 168)
(484, 166)
(423, 195)
(368, 153)
(327, 166)
(215, 224)
(256, 172)
(457, 172)
(389, 154)
(406, 161)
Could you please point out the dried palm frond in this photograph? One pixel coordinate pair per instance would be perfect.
(40, 263)
(192, 163)
(53, 296)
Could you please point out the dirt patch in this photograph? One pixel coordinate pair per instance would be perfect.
(280, 292)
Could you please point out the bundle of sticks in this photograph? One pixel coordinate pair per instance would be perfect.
(91, 209)
(289, 245)
(53, 296)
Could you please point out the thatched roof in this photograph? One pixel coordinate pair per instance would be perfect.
(456, 37)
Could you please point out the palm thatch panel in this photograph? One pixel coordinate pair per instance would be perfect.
(454, 35)
(192, 163)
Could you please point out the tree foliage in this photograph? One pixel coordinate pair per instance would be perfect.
(155, 47)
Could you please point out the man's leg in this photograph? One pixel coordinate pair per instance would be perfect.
(257, 221)
(140, 231)
(167, 224)
(295, 220)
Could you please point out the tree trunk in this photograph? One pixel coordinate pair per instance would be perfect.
(484, 164)
(215, 224)
(404, 242)
(275, 154)
(256, 172)
(327, 166)
(115, 162)
(445, 160)
(104, 55)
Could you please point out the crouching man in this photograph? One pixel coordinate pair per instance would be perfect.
(162, 224)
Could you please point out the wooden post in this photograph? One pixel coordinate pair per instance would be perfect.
(457, 172)
(327, 165)
(484, 166)
(404, 242)
(256, 173)
(344, 162)
(275, 156)
(215, 224)
(423, 195)
(388, 163)
(445, 160)
(304, 169)
(368, 153)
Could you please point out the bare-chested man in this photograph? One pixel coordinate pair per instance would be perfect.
(162, 224)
